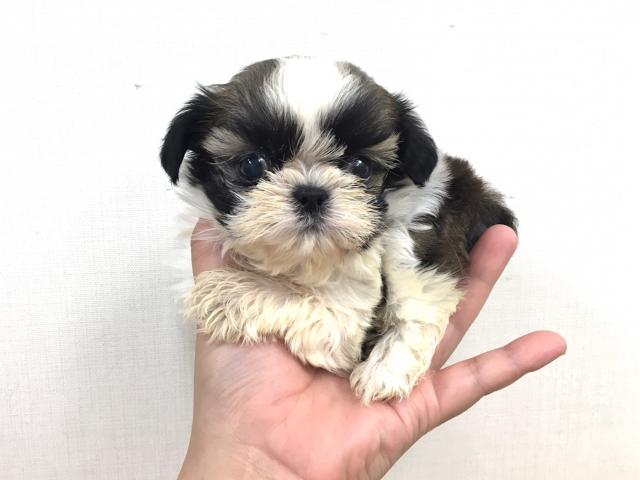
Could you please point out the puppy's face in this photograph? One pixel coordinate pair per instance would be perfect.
(294, 156)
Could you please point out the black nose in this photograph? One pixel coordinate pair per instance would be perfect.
(310, 199)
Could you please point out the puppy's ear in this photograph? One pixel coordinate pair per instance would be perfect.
(186, 130)
(417, 151)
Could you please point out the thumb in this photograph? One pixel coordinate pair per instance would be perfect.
(206, 248)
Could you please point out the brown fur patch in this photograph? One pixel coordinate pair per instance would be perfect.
(470, 207)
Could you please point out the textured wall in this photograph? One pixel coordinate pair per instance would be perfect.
(95, 365)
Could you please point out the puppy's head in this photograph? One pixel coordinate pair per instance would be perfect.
(293, 157)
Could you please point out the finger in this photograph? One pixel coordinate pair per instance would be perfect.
(488, 258)
(459, 386)
(206, 250)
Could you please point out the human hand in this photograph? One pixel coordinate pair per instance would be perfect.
(260, 413)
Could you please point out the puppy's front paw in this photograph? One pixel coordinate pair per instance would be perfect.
(319, 349)
(391, 371)
(217, 297)
(377, 382)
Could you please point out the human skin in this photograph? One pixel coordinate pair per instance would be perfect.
(259, 413)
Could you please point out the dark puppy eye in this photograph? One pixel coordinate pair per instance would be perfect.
(253, 166)
(359, 167)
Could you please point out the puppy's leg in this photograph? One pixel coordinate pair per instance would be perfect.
(239, 306)
(419, 304)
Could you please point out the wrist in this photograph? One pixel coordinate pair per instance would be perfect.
(221, 458)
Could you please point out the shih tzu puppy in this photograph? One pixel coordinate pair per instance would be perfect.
(348, 229)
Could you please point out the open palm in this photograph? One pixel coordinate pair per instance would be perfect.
(260, 412)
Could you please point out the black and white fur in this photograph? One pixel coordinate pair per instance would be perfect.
(351, 242)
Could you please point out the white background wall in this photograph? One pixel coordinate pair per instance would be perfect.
(95, 366)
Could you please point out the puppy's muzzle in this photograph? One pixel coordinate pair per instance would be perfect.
(311, 200)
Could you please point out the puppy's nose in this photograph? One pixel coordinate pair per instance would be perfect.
(310, 199)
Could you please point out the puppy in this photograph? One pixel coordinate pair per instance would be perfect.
(348, 229)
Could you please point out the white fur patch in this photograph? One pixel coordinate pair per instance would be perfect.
(309, 87)
(411, 202)
(193, 196)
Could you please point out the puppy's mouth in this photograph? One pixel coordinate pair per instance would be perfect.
(312, 224)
